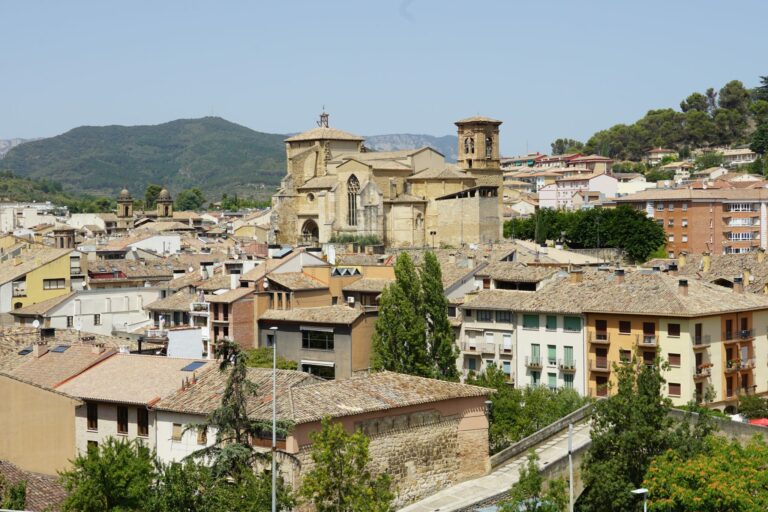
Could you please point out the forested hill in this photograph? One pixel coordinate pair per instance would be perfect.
(211, 153)
(725, 117)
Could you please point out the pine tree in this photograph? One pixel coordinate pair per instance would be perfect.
(399, 339)
(442, 349)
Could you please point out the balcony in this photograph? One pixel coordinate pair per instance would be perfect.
(599, 338)
(702, 341)
(566, 365)
(532, 362)
(19, 292)
(471, 347)
(599, 364)
(647, 340)
(156, 335)
(747, 364)
(745, 334)
(702, 373)
(200, 308)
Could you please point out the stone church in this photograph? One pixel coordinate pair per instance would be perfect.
(335, 186)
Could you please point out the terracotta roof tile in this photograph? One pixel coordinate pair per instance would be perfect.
(296, 281)
(44, 492)
(322, 315)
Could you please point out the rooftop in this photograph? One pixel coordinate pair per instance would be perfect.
(321, 315)
(296, 281)
(323, 133)
(28, 260)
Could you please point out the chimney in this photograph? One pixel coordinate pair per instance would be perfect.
(672, 269)
(39, 349)
(471, 261)
(706, 262)
(681, 260)
(576, 275)
(97, 348)
(760, 255)
(682, 286)
(619, 273)
(738, 284)
(234, 281)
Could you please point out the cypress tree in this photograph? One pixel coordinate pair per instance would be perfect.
(442, 349)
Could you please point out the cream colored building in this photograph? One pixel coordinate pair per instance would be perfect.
(408, 198)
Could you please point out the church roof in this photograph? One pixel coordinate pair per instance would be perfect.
(478, 119)
(320, 182)
(323, 133)
(441, 174)
(406, 198)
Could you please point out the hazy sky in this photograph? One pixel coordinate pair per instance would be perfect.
(546, 68)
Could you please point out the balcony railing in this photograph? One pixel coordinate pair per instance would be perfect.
(728, 335)
(702, 341)
(470, 347)
(156, 334)
(747, 364)
(702, 373)
(199, 307)
(647, 340)
(488, 348)
(19, 292)
(745, 334)
(567, 365)
(599, 338)
(532, 362)
(600, 364)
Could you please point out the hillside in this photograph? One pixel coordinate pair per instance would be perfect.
(15, 188)
(210, 153)
(7, 144)
(447, 145)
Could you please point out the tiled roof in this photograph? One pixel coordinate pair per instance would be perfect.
(322, 133)
(406, 198)
(729, 266)
(52, 368)
(28, 261)
(41, 308)
(496, 299)
(478, 119)
(44, 492)
(296, 281)
(319, 182)
(134, 269)
(230, 295)
(179, 301)
(368, 285)
(514, 271)
(322, 315)
(215, 282)
(132, 378)
(301, 399)
(441, 174)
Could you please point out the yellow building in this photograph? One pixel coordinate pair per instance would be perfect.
(334, 187)
(34, 275)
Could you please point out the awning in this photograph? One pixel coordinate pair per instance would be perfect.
(329, 364)
(315, 328)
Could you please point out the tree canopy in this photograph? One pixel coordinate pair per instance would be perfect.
(565, 146)
(530, 494)
(190, 199)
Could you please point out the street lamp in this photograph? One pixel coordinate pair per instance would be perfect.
(644, 492)
(433, 233)
(273, 330)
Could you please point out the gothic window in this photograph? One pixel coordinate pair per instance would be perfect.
(488, 147)
(466, 145)
(353, 190)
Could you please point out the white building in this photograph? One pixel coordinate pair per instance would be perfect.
(565, 188)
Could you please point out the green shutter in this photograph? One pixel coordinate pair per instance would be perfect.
(530, 321)
(568, 355)
(552, 354)
(551, 323)
(572, 323)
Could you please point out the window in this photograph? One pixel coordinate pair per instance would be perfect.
(353, 189)
(674, 389)
(671, 207)
(685, 207)
(468, 313)
(568, 380)
(530, 321)
(552, 355)
(685, 238)
(552, 380)
(671, 238)
(673, 330)
(551, 323)
(486, 283)
(70, 321)
(54, 284)
(176, 432)
(452, 311)
(142, 422)
(96, 319)
(660, 207)
(674, 359)
(535, 378)
(202, 436)
(568, 356)
(483, 315)
(625, 327)
(472, 363)
(92, 411)
(625, 356)
(93, 445)
(317, 340)
(506, 343)
(488, 147)
(504, 317)
(572, 323)
(270, 339)
(122, 419)
(671, 222)
(506, 367)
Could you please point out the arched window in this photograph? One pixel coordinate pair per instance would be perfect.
(488, 147)
(471, 145)
(466, 145)
(353, 189)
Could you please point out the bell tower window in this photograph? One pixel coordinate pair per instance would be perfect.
(353, 190)
(488, 148)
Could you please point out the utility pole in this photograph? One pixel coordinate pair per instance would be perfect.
(274, 417)
(570, 466)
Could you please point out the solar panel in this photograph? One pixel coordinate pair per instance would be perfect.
(25, 351)
(60, 348)
(193, 366)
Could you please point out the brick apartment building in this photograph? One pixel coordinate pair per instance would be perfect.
(719, 221)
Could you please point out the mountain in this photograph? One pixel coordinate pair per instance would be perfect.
(210, 153)
(447, 145)
(8, 144)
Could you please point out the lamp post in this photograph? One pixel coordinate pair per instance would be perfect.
(273, 330)
(433, 233)
(644, 492)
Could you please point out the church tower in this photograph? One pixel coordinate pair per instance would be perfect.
(479, 144)
(164, 204)
(124, 210)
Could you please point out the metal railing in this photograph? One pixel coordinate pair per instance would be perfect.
(702, 341)
(599, 338)
(567, 364)
(488, 348)
(702, 373)
(647, 340)
(533, 362)
(156, 333)
(469, 347)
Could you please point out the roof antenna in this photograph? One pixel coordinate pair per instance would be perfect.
(323, 122)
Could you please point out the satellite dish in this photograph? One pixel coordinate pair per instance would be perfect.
(36, 324)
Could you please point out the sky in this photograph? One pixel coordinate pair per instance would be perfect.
(546, 68)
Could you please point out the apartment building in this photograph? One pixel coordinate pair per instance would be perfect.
(35, 274)
(561, 197)
(719, 221)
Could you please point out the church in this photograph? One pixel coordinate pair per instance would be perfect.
(336, 187)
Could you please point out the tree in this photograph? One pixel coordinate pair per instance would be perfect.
(734, 96)
(190, 199)
(13, 496)
(753, 406)
(565, 146)
(760, 140)
(150, 196)
(262, 358)
(761, 92)
(529, 495)
(117, 475)
(711, 95)
(759, 111)
(340, 480)
(726, 476)
(399, 338)
(181, 486)
(695, 101)
(440, 339)
(709, 159)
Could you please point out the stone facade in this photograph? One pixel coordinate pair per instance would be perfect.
(334, 186)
